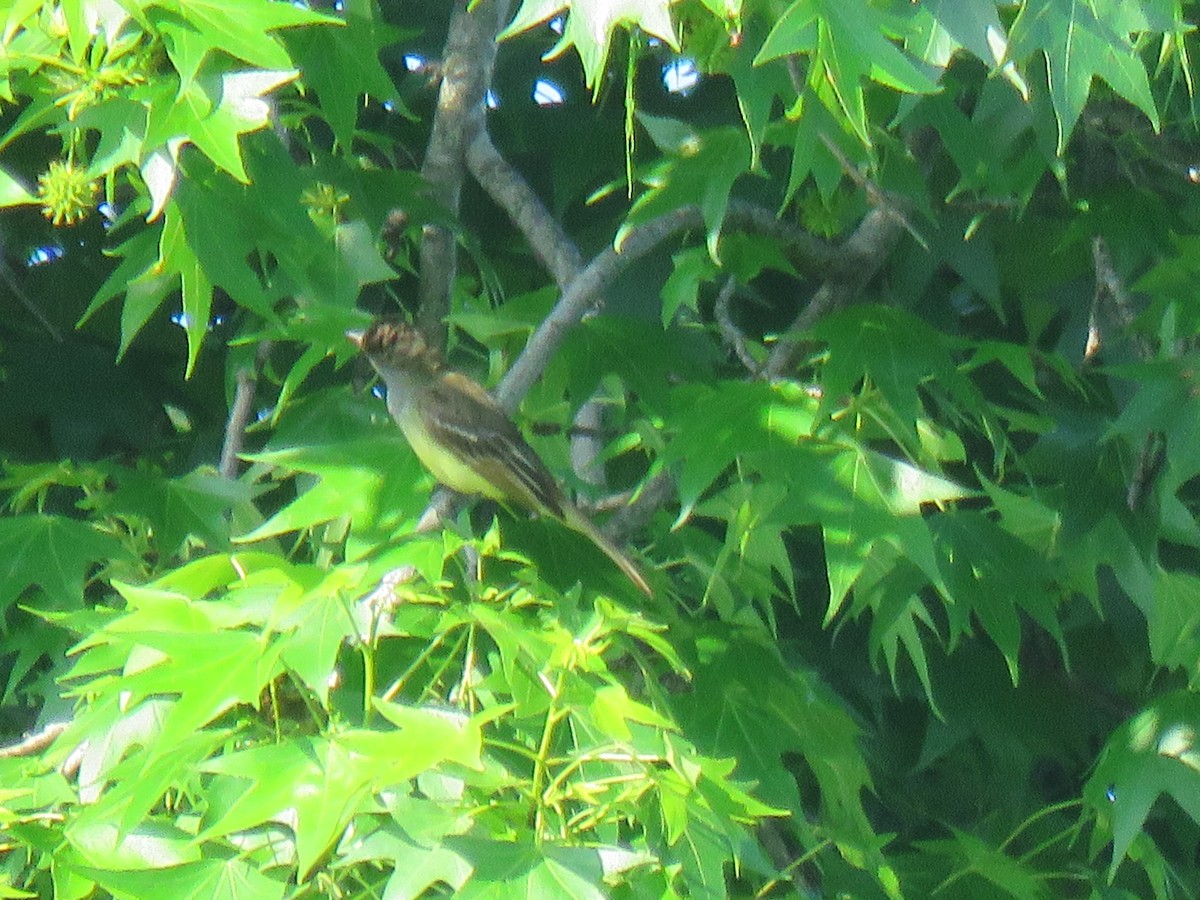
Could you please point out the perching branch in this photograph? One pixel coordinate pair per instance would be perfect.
(559, 255)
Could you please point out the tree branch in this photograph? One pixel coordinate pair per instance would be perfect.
(33, 744)
(242, 411)
(732, 335)
(583, 291)
(24, 299)
(467, 64)
(546, 237)
(861, 256)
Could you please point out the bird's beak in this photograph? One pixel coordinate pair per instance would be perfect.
(355, 336)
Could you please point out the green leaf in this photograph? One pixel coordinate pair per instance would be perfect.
(318, 627)
(900, 355)
(994, 575)
(1173, 619)
(1082, 41)
(794, 32)
(152, 845)
(884, 503)
(53, 552)
(234, 878)
(703, 176)
(451, 735)
(714, 424)
(519, 868)
(240, 28)
(814, 124)
(145, 293)
(213, 112)
(13, 192)
(1152, 754)
(850, 45)
(590, 24)
(342, 65)
(971, 24)
(176, 254)
(358, 250)
(121, 124)
(210, 673)
(355, 480)
(316, 785)
(136, 779)
(691, 267)
(194, 505)
(225, 225)
(745, 704)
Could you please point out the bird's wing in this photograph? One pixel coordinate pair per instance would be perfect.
(462, 417)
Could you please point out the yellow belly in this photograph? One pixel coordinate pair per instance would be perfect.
(443, 465)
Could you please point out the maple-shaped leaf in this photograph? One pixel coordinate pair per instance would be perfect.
(851, 42)
(589, 26)
(315, 785)
(193, 505)
(53, 552)
(211, 113)
(1082, 41)
(342, 65)
(1154, 753)
(373, 481)
(241, 29)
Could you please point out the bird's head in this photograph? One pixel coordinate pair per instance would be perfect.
(397, 347)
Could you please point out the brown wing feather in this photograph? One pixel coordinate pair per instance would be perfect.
(463, 417)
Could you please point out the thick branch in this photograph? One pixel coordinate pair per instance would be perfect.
(584, 290)
(467, 70)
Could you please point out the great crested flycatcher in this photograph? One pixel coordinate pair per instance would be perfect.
(464, 438)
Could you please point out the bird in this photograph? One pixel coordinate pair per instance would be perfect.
(463, 436)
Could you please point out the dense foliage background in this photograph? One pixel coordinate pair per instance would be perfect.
(869, 324)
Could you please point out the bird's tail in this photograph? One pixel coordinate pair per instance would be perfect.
(577, 521)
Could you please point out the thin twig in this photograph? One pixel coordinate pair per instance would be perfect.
(583, 292)
(728, 328)
(25, 300)
(543, 233)
(559, 255)
(33, 744)
(634, 517)
(877, 197)
(242, 411)
(864, 253)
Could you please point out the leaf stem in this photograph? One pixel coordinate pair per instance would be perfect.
(540, 768)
